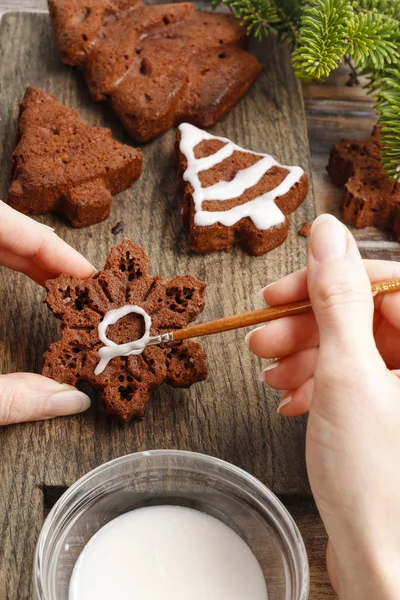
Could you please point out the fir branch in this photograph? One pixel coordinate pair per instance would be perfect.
(258, 16)
(290, 15)
(370, 40)
(384, 8)
(323, 38)
(261, 17)
(353, 75)
(386, 90)
(322, 33)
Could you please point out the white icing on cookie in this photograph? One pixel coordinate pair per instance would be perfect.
(110, 350)
(262, 210)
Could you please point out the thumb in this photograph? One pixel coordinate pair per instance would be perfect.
(30, 397)
(340, 292)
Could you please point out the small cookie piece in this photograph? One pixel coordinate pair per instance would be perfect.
(126, 380)
(305, 229)
(370, 197)
(156, 65)
(118, 228)
(234, 196)
(62, 165)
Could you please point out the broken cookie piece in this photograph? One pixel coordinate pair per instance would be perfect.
(124, 286)
(62, 165)
(305, 229)
(370, 197)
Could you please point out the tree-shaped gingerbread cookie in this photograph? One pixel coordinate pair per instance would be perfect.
(62, 165)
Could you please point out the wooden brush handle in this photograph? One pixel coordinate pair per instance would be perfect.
(254, 317)
(264, 315)
(386, 287)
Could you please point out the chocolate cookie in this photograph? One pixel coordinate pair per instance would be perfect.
(62, 165)
(140, 304)
(232, 195)
(370, 197)
(157, 65)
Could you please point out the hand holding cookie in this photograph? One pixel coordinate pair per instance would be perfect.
(36, 251)
(339, 364)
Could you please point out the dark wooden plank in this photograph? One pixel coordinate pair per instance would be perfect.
(232, 416)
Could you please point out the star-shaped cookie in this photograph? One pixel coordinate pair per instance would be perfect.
(126, 380)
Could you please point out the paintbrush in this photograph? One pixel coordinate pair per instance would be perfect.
(254, 317)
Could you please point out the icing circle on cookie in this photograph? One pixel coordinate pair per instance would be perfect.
(110, 349)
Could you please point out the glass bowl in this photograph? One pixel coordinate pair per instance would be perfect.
(174, 477)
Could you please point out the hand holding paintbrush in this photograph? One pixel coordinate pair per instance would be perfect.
(340, 363)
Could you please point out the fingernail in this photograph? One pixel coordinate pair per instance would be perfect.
(250, 333)
(328, 239)
(283, 403)
(68, 402)
(271, 366)
(260, 294)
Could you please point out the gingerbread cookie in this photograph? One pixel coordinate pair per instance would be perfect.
(232, 195)
(62, 165)
(156, 65)
(102, 316)
(370, 197)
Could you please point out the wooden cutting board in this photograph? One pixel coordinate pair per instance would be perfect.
(232, 415)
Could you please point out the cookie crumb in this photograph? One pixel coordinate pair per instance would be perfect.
(118, 228)
(305, 229)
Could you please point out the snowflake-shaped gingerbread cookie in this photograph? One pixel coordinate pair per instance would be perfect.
(124, 285)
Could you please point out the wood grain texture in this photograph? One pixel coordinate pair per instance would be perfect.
(232, 416)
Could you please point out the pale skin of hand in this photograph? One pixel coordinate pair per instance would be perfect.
(36, 251)
(339, 365)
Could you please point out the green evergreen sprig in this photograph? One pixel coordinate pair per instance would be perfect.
(323, 33)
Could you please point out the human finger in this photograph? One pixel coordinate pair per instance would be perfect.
(387, 341)
(25, 266)
(284, 336)
(290, 372)
(293, 287)
(297, 401)
(28, 239)
(32, 397)
(340, 292)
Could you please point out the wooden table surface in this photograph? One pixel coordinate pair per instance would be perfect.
(333, 111)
